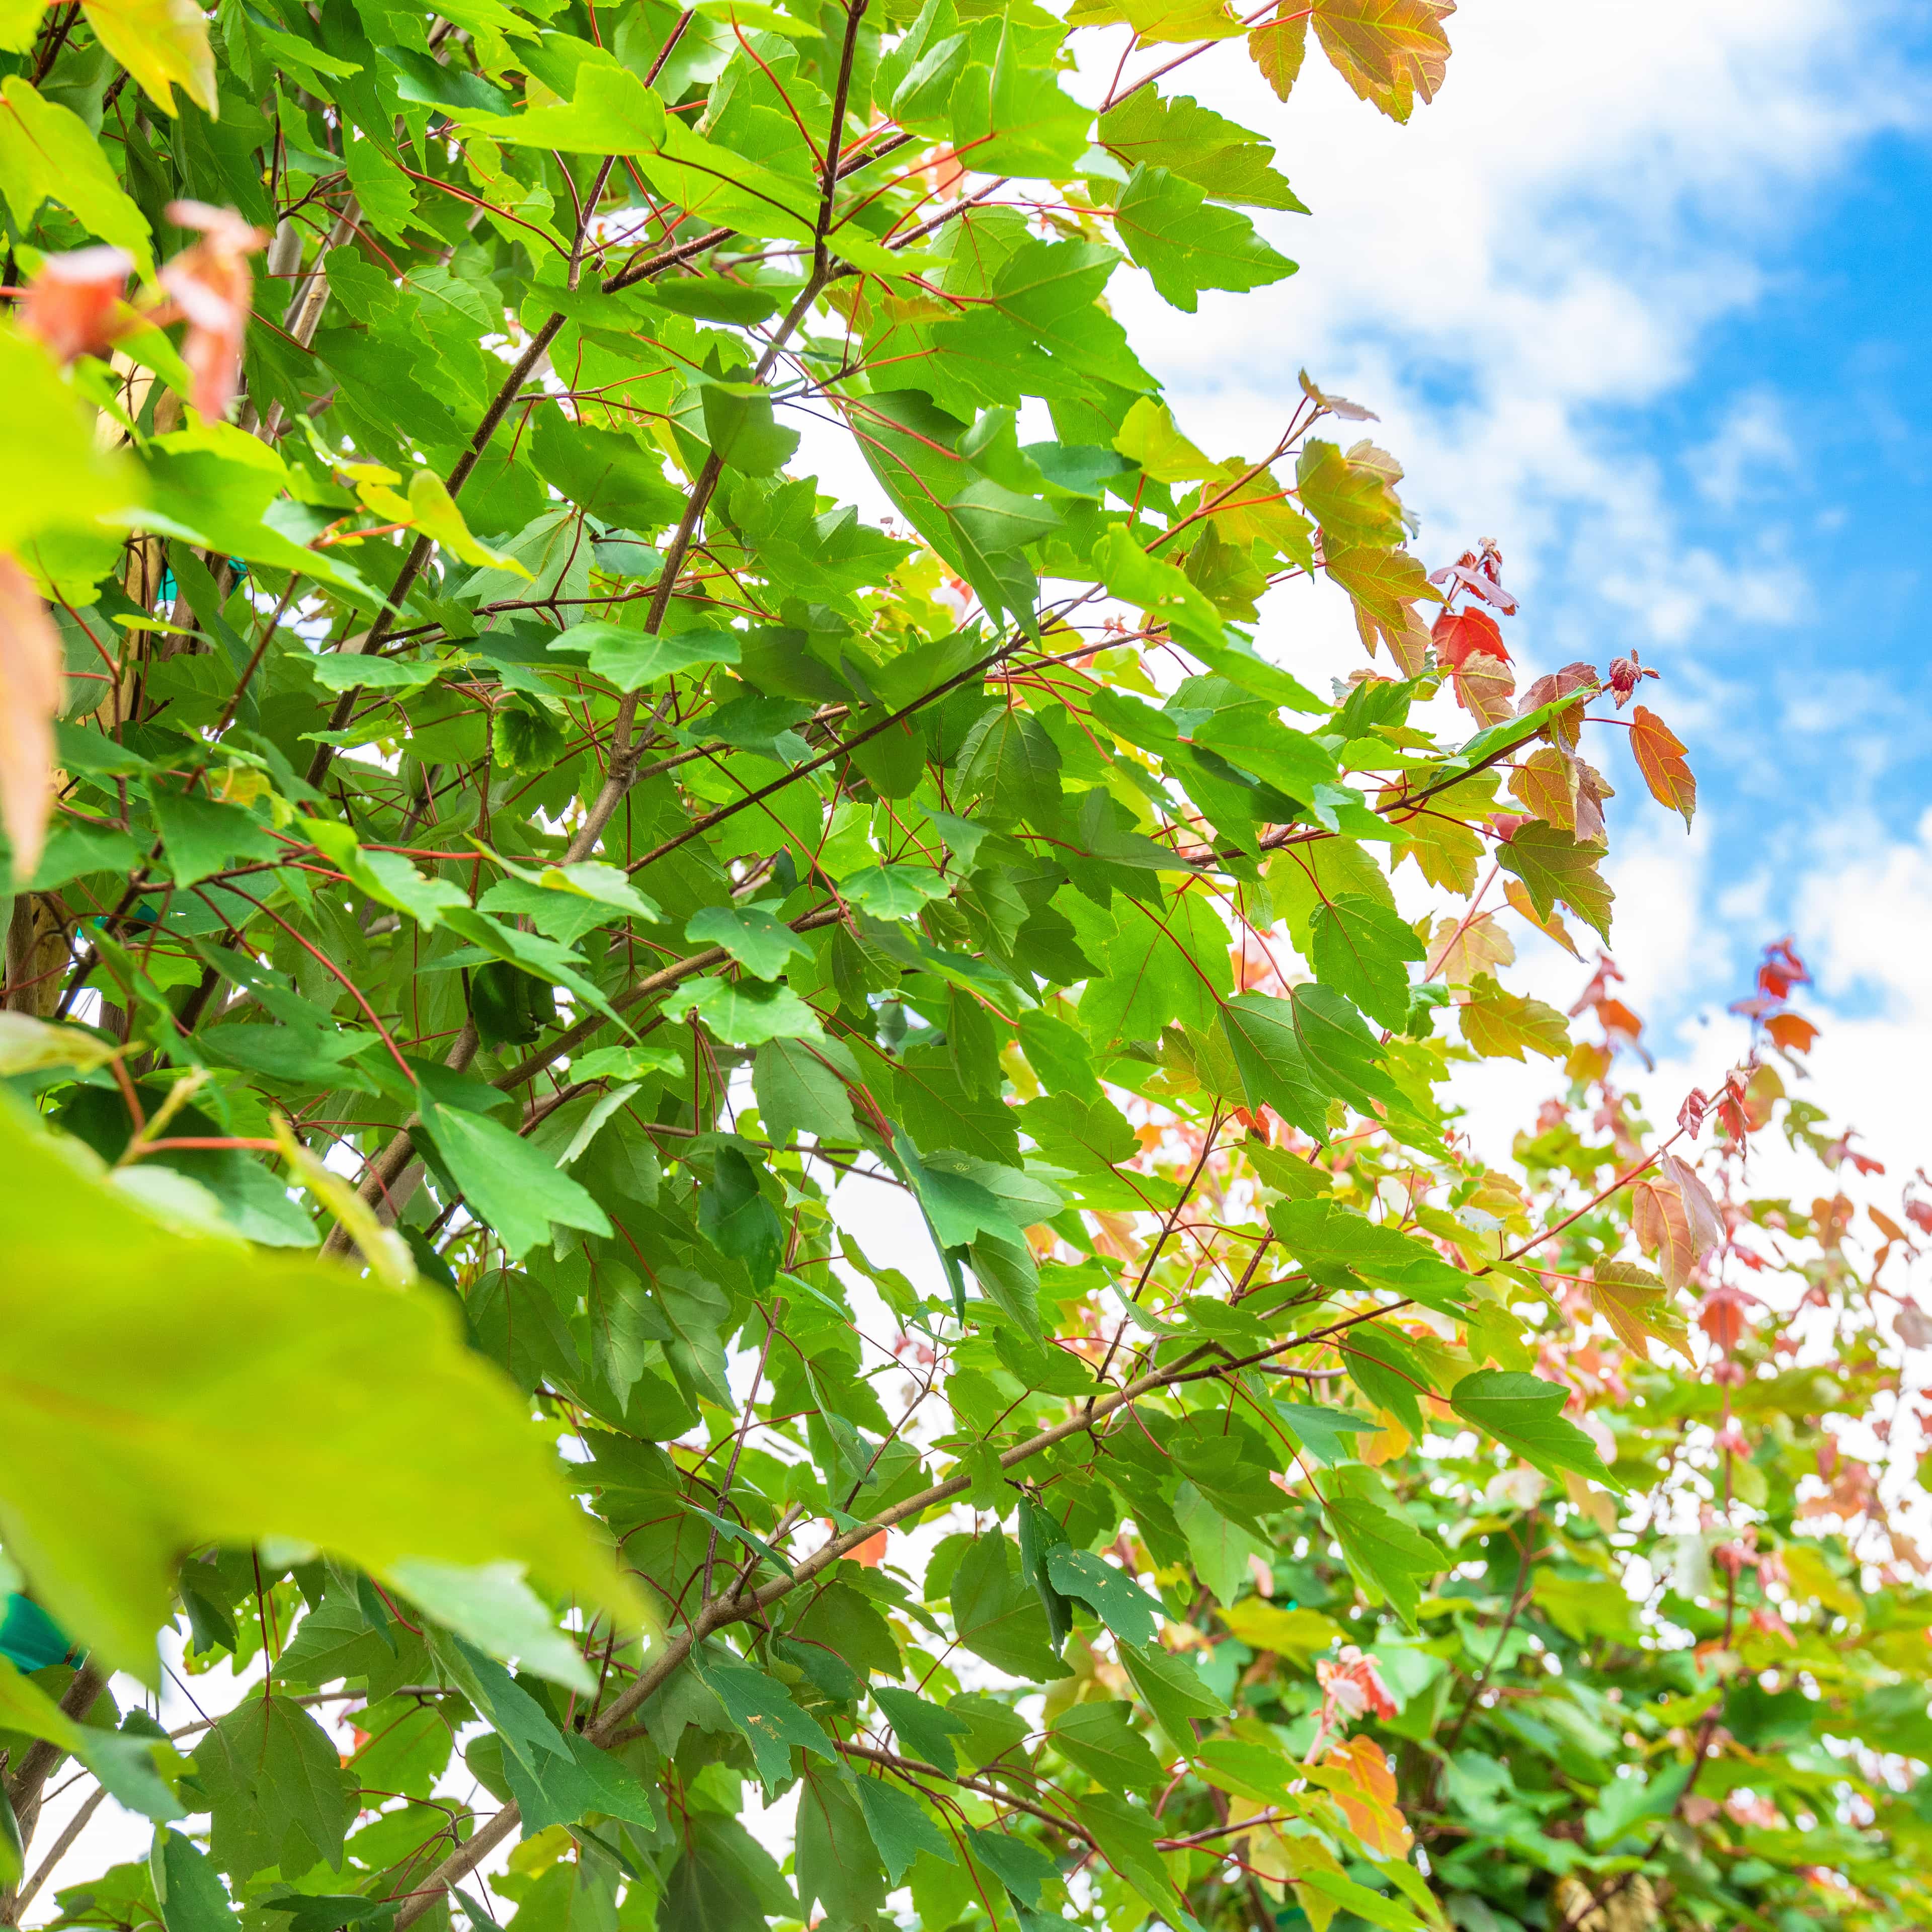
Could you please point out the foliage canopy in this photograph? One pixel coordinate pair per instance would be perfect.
(493, 843)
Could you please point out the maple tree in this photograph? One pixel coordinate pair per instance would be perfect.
(492, 846)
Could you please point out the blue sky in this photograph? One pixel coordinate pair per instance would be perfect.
(1834, 347)
(1801, 438)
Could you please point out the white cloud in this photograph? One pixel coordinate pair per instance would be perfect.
(1752, 440)
(1547, 242)
(1865, 907)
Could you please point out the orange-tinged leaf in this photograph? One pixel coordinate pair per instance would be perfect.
(1791, 1031)
(1707, 1224)
(213, 286)
(162, 44)
(1721, 1315)
(1590, 792)
(31, 660)
(1546, 784)
(1407, 641)
(1637, 1305)
(1616, 1018)
(1383, 584)
(1663, 1228)
(1550, 924)
(1461, 952)
(1388, 51)
(1660, 756)
(1498, 1025)
(1485, 687)
(1278, 48)
(1675, 1218)
(1365, 1790)
(76, 305)
(1578, 679)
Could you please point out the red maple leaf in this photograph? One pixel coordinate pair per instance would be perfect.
(1781, 970)
(1480, 572)
(1626, 674)
(77, 304)
(213, 287)
(1841, 1150)
(1460, 634)
(1599, 987)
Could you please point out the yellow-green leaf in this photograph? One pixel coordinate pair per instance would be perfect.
(19, 21)
(436, 514)
(1278, 47)
(30, 1045)
(1155, 21)
(44, 435)
(1350, 500)
(179, 1391)
(1148, 436)
(1297, 1634)
(162, 44)
(1554, 866)
(47, 150)
(1498, 1025)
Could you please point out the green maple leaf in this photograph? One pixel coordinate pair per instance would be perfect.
(1526, 1413)
(1186, 244)
(1558, 869)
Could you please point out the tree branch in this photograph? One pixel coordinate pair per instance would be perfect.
(11, 1913)
(735, 1605)
(24, 1787)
